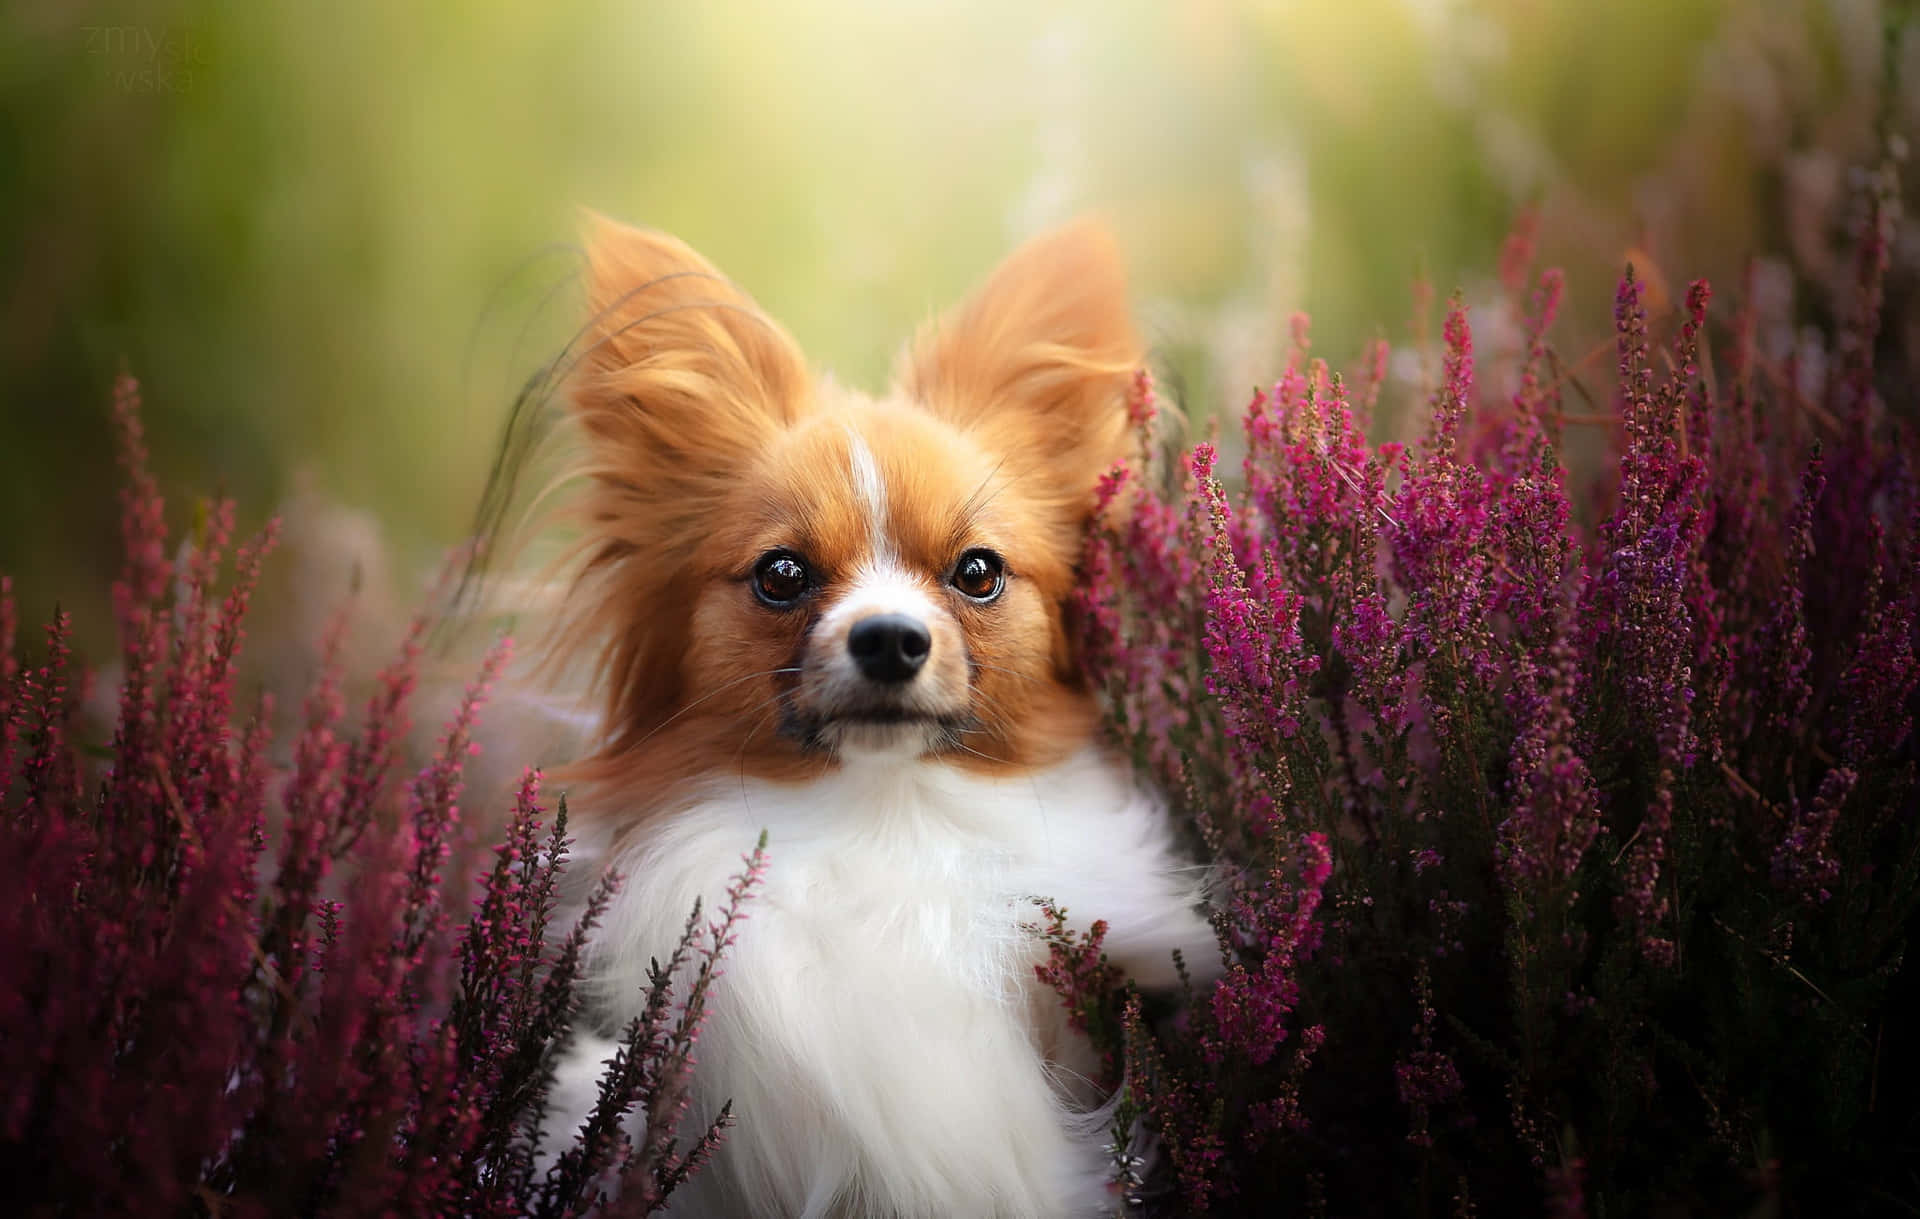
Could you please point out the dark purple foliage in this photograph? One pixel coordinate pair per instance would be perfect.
(230, 990)
(1565, 868)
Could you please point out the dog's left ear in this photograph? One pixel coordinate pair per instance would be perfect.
(1039, 360)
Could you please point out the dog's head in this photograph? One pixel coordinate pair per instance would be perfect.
(781, 573)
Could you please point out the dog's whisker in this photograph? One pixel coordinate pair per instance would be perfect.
(768, 708)
(1004, 714)
(963, 747)
(718, 690)
(1009, 672)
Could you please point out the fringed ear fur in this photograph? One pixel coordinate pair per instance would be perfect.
(1038, 363)
(683, 380)
(682, 383)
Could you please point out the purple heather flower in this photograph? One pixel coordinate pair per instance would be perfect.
(1252, 1004)
(1554, 811)
(1259, 667)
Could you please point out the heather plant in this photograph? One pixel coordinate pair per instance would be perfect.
(1565, 825)
(232, 982)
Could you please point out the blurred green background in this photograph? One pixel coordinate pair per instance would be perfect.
(332, 240)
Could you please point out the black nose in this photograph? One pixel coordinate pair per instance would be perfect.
(889, 647)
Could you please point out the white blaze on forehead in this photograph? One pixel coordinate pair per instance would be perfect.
(881, 586)
(872, 490)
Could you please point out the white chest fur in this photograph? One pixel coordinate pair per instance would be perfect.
(879, 1028)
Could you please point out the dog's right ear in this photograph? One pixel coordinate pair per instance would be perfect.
(1038, 363)
(682, 378)
(657, 303)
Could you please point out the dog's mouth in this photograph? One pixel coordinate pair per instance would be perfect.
(885, 715)
(875, 729)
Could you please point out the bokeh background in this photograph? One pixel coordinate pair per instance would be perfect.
(332, 240)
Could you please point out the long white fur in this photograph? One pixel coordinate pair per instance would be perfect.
(879, 1026)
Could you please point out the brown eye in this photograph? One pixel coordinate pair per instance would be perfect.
(980, 575)
(780, 578)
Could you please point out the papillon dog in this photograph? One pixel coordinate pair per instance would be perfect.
(842, 618)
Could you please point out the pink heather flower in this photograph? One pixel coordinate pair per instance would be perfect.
(1259, 668)
(1426, 1078)
(1370, 642)
(1187, 1122)
(1439, 545)
(1141, 404)
(1555, 812)
(1252, 1004)
(1282, 1113)
(1077, 970)
(1373, 377)
(1534, 401)
(1533, 584)
(657, 1168)
(1140, 608)
(1803, 864)
(432, 814)
(1313, 489)
(1877, 688)
(1097, 599)
(1635, 606)
(1781, 652)
(1516, 255)
(143, 526)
